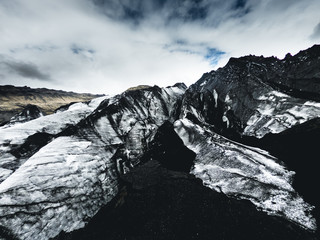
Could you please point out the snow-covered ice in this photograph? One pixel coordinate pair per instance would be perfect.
(244, 172)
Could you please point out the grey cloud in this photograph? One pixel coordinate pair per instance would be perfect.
(24, 69)
(209, 12)
(316, 32)
(78, 50)
(240, 4)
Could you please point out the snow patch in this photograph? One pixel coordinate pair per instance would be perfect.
(56, 183)
(277, 112)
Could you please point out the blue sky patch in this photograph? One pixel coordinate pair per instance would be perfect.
(213, 55)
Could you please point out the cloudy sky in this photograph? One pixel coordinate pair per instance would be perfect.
(107, 46)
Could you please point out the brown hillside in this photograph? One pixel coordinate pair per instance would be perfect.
(14, 99)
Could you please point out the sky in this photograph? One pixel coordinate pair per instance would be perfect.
(107, 46)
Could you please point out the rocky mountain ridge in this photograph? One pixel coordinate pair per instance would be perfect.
(153, 148)
(255, 95)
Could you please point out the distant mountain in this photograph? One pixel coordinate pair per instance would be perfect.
(234, 156)
(13, 100)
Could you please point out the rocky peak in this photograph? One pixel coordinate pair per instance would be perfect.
(244, 95)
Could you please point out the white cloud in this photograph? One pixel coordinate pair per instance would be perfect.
(82, 49)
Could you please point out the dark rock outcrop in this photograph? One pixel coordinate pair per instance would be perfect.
(298, 147)
(169, 150)
(28, 113)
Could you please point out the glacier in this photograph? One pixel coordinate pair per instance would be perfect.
(244, 172)
(66, 182)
